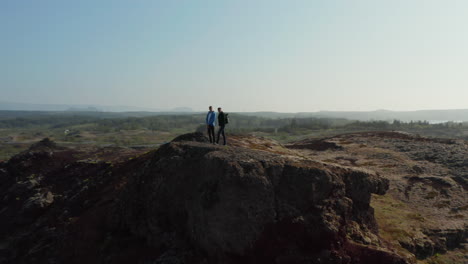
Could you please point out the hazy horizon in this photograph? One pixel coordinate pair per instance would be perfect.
(247, 56)
(18, 106)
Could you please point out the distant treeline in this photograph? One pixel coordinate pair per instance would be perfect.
(397, 124)
(238, 123)
(46, 121)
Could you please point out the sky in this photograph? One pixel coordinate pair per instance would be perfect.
(243, 55)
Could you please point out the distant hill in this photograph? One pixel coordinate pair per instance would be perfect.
(13, 106)
(428, 115)
(182, 109)
(87, 109)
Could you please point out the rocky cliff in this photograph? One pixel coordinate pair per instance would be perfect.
(236, 205)
(189, 202)
(425, 209)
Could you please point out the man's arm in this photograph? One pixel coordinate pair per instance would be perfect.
(214, 118)
(221, 118)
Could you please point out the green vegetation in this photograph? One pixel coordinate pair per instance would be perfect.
(19, 129)
(397, 223)
(453, 257)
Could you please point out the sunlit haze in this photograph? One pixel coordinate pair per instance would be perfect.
(284, 56)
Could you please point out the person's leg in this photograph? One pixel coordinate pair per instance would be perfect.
(224, 137)
(220, 130)
(208, 128)
(212, 134)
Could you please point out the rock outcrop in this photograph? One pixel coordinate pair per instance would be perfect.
(188, 202)
(425, 210)
(235, 205)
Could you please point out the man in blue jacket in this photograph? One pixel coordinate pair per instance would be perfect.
(210, 123)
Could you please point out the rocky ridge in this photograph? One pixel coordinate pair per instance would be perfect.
(238, 205)
(428, 186)
(191, 202)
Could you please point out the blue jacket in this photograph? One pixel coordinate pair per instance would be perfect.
(211, 118)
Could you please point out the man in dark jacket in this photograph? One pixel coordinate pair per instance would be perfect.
(221, 124)
(210, 124)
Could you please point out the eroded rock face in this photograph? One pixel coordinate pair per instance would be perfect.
(428, 182)
(195, 136)
(237, 205)
(187, 202)
(45, 192)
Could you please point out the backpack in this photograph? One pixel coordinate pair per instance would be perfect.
(226, 119)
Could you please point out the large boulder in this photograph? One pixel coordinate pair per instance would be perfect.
(195, 136)
(235, 205)
(187, 202)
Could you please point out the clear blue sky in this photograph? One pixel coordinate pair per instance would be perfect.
(250, 55)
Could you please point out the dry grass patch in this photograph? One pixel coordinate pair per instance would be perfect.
(397, 222)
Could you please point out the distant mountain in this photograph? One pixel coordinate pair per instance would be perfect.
(387, 115)
(13, 106)
(182, 109)
(429, 115)
(32, 107)
(87, 109)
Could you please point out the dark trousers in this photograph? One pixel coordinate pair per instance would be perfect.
(211, 134)
(221, 131)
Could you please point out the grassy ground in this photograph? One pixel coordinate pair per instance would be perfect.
(398, 223)
(14, 141)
